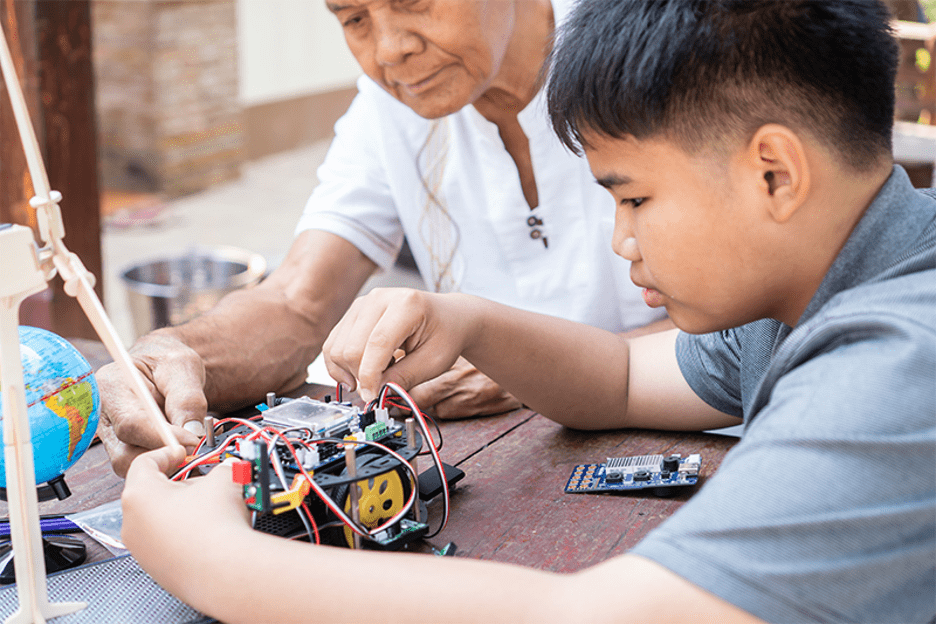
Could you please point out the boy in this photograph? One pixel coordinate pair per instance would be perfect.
(747, 144)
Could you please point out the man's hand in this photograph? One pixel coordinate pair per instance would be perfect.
(176, 376)
(463, 392)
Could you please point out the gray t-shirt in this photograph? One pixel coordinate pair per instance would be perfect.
(825, 511)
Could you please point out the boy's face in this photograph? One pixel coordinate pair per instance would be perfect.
(693, 230)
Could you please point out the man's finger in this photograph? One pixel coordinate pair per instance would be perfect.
(456, 407)
(431, 392)
(136, 429)
(181, 380)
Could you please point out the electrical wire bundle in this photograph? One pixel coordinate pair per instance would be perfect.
(384, 400)
(294, 442)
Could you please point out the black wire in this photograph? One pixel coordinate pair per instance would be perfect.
(426, 416)
(438, 432)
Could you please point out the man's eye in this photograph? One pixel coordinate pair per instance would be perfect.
(633, 201)
(411, 4)
(353, 20)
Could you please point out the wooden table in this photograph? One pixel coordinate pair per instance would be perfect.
(511, 506)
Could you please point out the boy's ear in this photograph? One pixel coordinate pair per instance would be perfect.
(778, 158)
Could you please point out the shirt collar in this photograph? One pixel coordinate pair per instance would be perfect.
(891, 224)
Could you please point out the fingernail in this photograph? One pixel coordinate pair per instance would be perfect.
(195, 426)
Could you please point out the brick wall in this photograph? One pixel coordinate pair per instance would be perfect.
(168, 113)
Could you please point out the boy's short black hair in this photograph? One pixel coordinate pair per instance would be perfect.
(705, 72)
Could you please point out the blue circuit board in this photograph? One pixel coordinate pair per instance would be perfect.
(635, 473)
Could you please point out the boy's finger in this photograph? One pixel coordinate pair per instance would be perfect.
(163, 460)
(417, 367)
(388, 334)
(343, 347)
(338, 372)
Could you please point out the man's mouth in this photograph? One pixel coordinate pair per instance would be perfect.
(418, 86)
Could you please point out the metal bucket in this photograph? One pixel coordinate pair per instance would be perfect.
(171, 291)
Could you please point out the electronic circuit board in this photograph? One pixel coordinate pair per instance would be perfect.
(297, 455)
(635, 473)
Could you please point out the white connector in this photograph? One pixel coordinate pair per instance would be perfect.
(309, 457)
(247, 450)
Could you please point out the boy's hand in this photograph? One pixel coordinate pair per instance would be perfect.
(432, 330)
(176, 375)
(463, 392)
(168, 526)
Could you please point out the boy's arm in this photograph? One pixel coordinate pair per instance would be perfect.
(193, 538)
(577, 375)
(464, 391)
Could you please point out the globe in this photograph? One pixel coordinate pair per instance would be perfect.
(63, 402)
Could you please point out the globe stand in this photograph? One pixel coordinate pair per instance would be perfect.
(60, 551)
(26, 271)
(17, 249)
(55, 488)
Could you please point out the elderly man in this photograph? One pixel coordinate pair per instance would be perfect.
(447, 143)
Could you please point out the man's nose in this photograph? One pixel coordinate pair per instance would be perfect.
(395, 41)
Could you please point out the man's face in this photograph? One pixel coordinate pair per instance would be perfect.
(435, 56)
(690, 227)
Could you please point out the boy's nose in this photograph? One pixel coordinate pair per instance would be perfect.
(627, 248)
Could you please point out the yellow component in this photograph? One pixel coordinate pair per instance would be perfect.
(379, 499)
(923, 59)
(293, 497)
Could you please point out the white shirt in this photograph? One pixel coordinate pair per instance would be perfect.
(372, 192)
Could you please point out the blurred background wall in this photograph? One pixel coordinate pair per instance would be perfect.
(187, 90)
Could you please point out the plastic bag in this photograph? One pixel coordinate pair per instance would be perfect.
(103, 523)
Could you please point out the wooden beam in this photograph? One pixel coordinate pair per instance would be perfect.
(66, 87)
(15, 183)
(51, 44)
(17, 20)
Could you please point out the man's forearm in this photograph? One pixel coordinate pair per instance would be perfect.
(262, 339)
(251, 343)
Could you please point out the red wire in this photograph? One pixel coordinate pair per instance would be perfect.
(270, 437)
(435, 454)
(315, 530)
(327, 500)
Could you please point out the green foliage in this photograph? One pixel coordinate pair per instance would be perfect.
(929, 7)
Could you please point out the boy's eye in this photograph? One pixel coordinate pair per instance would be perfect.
(633, 201)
